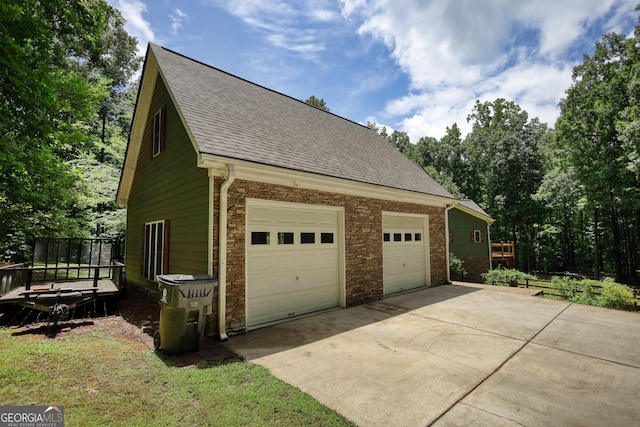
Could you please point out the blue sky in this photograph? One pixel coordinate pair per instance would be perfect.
(413, 65)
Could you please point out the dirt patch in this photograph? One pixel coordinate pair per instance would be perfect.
(132, 318)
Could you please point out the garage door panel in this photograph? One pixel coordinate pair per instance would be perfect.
(404, 260)
(308, 217)
(260, 263)
(285, 262)
(285, 216)
(259, 215)
(306, 260)
(284, 276)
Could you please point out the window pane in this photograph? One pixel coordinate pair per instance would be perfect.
(386, 237)
(160, 231)
(152, 253)
(260, 237)
(156, 133)
(407, 237)
(397, 237)
(326, 238)
(285, 238)
(307, 237)
(418, 237)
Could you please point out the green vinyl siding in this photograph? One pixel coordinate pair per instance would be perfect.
(169, 187)
(461, 225)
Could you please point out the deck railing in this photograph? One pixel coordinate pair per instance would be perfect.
(504, 252)
(15, 276)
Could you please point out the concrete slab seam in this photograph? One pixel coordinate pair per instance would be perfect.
(465, 326)
(497, 368)
(602, 359)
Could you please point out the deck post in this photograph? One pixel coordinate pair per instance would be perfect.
(27, 279)
(96, 273)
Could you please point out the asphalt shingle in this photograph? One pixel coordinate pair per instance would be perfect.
(234, 118)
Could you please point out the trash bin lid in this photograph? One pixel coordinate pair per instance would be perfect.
(179, 279)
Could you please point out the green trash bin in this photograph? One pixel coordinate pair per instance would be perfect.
(185, 301)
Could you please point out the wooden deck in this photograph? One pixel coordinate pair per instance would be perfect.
(504, 252)
(37, 291)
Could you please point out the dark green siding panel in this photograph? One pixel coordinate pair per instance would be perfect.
(461, 226)
(169, 186)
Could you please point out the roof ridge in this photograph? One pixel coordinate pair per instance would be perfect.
(256, 84)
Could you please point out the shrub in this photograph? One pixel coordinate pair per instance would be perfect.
(615, 295)
(505, 277)
(587, 296)
(565, 286)
(457, 268)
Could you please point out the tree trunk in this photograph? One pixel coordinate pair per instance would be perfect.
(617, 253)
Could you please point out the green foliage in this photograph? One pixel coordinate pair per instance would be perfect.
(606, 293)
(65, 66)
(615, 295)
(565, 286)
(318, 103)
(588, 295)
(598, 131)
(457, 268)
(506, 277)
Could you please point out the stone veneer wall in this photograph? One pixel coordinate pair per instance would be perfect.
(363, 242)
(475, 266)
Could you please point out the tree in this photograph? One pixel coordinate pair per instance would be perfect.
(598, 127)
(318, 103)
(503, 168)
(60, 60)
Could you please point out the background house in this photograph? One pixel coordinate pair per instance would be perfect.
(470, 239)
(292, 208)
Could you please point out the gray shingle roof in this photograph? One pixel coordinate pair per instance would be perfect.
(470, 204)
(234, 118)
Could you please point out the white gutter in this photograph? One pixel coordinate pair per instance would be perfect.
(446, 238)
(222, 253)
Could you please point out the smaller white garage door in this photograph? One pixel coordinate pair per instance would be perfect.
(404, 246)
(293, 260)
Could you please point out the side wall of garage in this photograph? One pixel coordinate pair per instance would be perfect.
(362, 246)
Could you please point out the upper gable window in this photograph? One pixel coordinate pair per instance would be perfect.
(158, 131)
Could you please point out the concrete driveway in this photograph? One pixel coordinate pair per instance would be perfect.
(455, 355)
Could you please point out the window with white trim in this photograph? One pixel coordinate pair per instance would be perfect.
(154, 254)
(477, 236)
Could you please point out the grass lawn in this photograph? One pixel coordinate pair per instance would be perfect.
(105, 381)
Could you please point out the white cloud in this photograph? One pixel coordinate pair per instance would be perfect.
(455, 52)
(136, 25)
(176, 20)
(295, 27)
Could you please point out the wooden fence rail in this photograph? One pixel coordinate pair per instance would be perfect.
(548, 289)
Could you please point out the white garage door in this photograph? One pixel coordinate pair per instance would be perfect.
(404, 246)
(293, 260)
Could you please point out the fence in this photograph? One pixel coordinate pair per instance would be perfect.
(549, 290)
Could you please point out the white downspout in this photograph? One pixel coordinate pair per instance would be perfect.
(446, 239)
(222, 254)
(211, 222)
(489, 245)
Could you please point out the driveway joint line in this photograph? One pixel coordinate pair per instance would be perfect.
(497, 368)
(492, 413)
(602, 359)
(466, 326)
